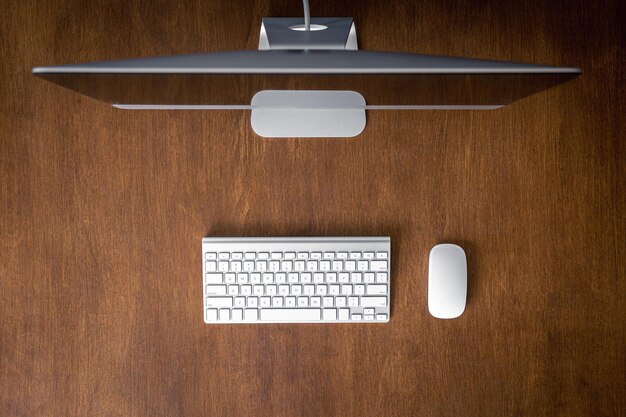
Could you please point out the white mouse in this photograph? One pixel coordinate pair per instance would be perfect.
(447, 281)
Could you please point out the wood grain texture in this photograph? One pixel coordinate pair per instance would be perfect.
(102, 212)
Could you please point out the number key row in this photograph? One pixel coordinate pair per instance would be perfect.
(238, 256)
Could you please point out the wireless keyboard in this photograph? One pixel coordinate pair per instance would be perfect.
(296, 279)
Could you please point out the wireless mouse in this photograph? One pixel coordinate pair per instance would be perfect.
(447, 281)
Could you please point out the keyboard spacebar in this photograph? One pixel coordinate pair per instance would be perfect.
(290, 314)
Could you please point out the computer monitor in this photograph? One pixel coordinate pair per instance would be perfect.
(229, 80)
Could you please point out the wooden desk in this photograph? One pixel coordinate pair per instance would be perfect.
(103, 211)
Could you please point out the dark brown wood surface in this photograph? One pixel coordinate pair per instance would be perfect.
(102, 212)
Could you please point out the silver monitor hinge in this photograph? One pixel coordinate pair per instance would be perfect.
(326, 33)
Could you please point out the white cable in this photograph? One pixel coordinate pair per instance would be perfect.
(307, 15)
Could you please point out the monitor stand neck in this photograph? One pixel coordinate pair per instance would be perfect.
(326, 33)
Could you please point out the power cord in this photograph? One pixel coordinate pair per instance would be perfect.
(307, 15)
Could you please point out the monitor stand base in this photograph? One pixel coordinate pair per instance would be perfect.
(308, 114)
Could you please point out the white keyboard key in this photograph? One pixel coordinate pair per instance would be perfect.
(261, 266)
(368, 317)
(280, 277)
(286, 266)
(344, 314)
(369, 311)
(263, 255)
(337, 266)
(218, 302)
(381, 317)
(290, 301)
(210, 256)
(324, 266)
(356, 277)
(240, 301)
(246, 289)
(276, 255)
(355, 255)
(368, 277)
(331, 277)
(250, 314)
(222, 266)
(224, 315)
(299, 266)
(268, 278)
(333, 289)
(223, 256)
(346, 289)
(303, 301)
(210, 315)
(344, 277)
(378, 265)
(355, 317)
(249, 255)
(253, 301)
(212, 278)
(321, 289)
(303, 255)
(318, 278)
(359, 289)
(293, 278)
(293, 314)
(236, 256)
(309, 290)
(376, 289)
(230, 278)
(215, 290)
(210, 266)
(277, 301)
(255, 278)
(342, 255)
(340, 301)
(274, 266)
(328, 301)
(381, 277)
(258, 289)
(316, 255)
(368, 255)
(265, 301)
(329, 255)
(362, 266)
(311, 266)
(290, 255)
(242, 278)
(283, 290)
(233, 290)
(270, 289)
(373, 301)
(350, 265)
(381, 255)
(296, 289)
(305, 278)
(248, 266)
(353, 301)
(237, 314)
(316, 301)
(330, 314)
